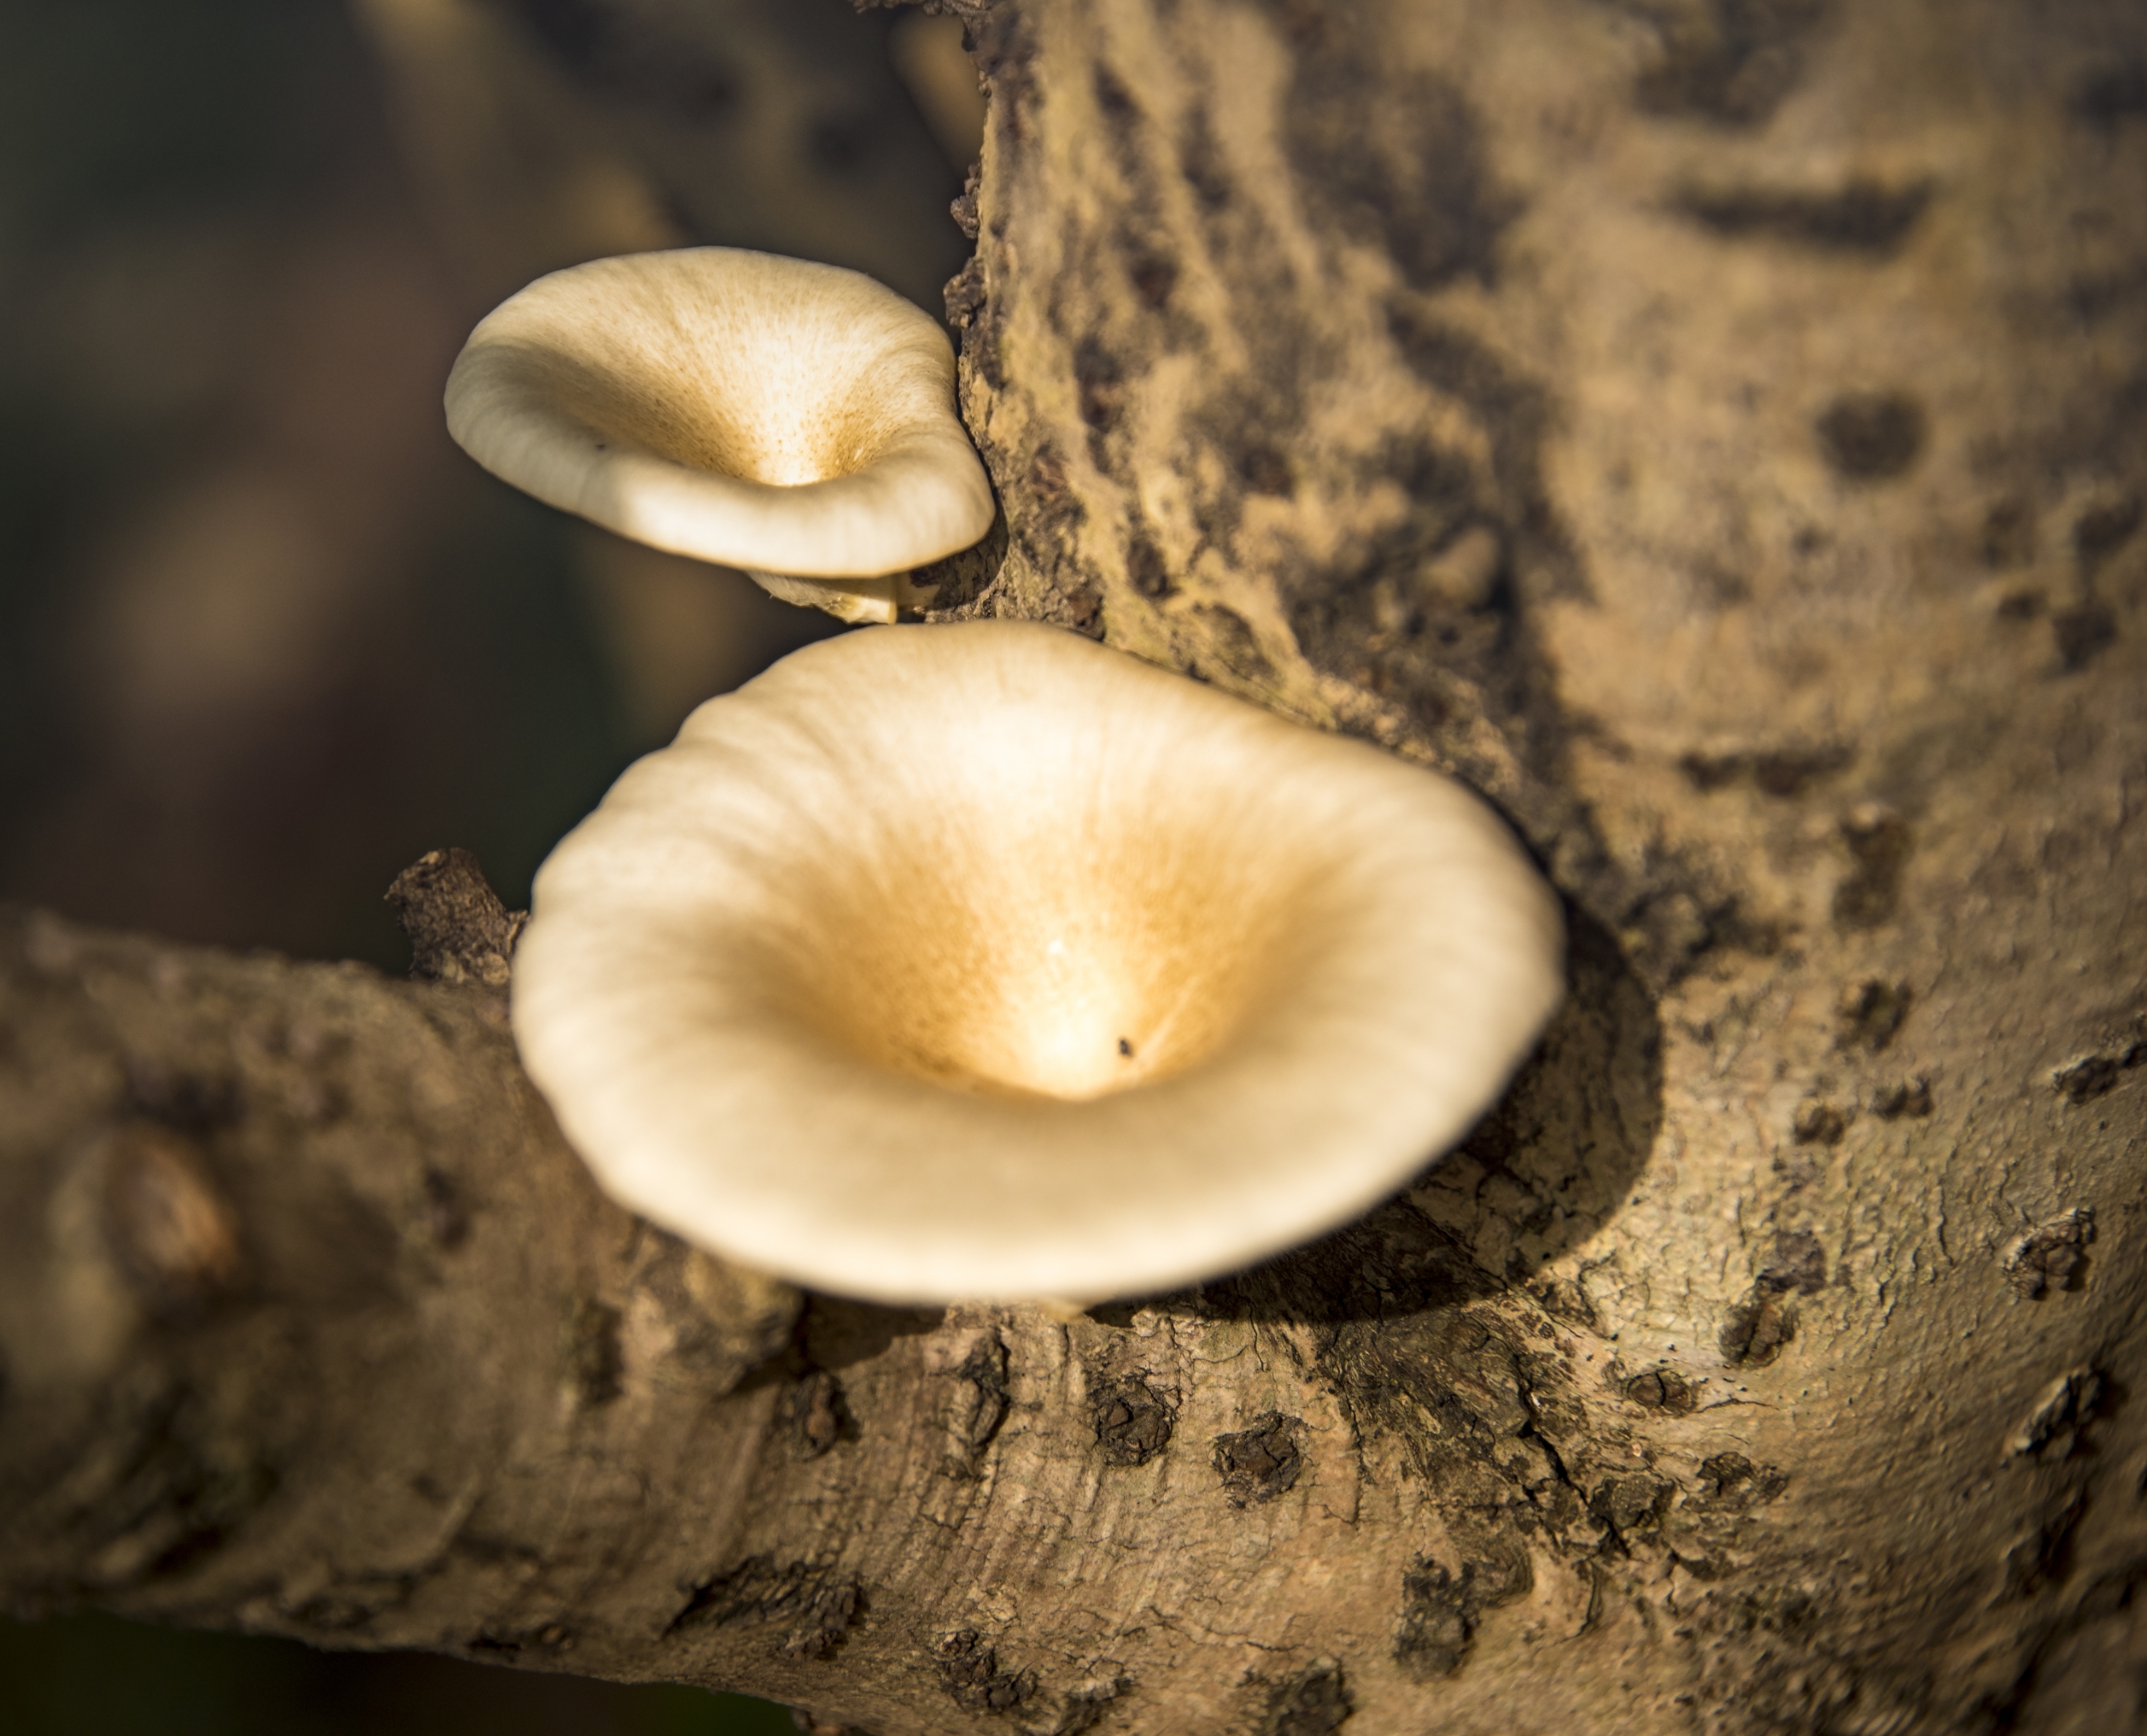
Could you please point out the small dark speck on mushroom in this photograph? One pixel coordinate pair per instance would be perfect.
(1126, 1047)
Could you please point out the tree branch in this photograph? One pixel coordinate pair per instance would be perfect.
(1713, 430)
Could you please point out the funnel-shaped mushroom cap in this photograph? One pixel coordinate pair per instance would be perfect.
(737, 406)
(979, 961)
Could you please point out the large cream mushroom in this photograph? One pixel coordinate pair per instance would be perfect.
(982, 962)
(793, 419)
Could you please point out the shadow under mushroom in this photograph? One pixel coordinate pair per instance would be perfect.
(1543, 1173)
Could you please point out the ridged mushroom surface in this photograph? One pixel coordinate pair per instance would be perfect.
(769, 413)
(979, 961)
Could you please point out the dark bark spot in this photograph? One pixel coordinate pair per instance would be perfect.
(1261, 468)
(819, 1415)
(1236, 647)
(1133, 1420)
(1516, 412)
(1799, 1264)
(2052, 1256)
(2078, 1082)
(2081, 632)
(1314, 1701)
(458, 930)
(1897, 1097)
(1441, 1610)
(1263, 1461)
(2063, 1412)
(1731, 1479)
(1871, 1013)
(1783, 771)
(2113, 92)
(1871, 437)
(1200, 161)
(2008, 534)
(1114, 99)
(446, 1216)
(1819, 1122)
(1154, 275)
(1729, 60)
(2105, 527)
(1101, 387)
(1879, 845)
(1148, 569)
(1002, 43)
(1712, 771)
(1433, 1634)
(2092, 296)
(1755, 1331)
(589, 1349)
(1378, 606)
(1788, 772)
(815, 1608)
(1624, 1505)
(1663, 1389)
(969, 1671)
(979, 1403)
(1860, 216)
(1393, 160)
(189, 1100)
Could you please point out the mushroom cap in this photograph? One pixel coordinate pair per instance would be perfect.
(978, 961)
(732, 406)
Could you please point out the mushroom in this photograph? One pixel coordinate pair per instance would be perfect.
(980, 962)
(793, 419)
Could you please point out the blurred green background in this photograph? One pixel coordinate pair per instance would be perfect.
(265, 636)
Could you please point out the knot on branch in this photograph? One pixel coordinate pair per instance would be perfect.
(458, 929)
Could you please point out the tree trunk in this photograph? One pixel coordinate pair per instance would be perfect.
(1716, 429)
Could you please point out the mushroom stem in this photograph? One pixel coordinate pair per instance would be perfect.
(872, 601)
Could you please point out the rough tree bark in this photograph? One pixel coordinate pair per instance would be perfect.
(1715, 429)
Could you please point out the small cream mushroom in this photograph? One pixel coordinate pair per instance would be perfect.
(793, 419)
(978, 961)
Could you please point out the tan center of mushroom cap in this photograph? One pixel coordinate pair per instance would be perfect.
(732, 406)
(979, 961)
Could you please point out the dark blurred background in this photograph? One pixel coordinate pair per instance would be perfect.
(266, 636)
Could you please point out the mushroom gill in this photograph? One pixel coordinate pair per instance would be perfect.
(979, 961)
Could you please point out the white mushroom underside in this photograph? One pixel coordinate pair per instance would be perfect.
(736, 407)
(981, 961)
